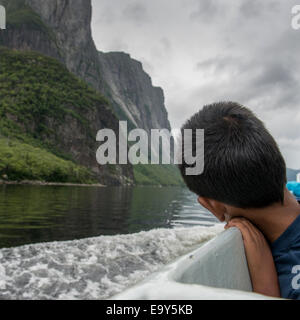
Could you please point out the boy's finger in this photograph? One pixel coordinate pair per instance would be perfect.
(253, 229)
(238, 219)
(246, 232)
(255, 232)
(248, 224)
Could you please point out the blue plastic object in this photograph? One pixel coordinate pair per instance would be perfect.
(294, 187)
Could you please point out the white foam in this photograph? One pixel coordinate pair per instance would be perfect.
(94, 268)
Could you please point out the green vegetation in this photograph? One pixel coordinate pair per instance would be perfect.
(20, 161)
(164, 175)
(36, 95)
(34, 88)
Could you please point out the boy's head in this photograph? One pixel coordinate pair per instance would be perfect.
(243, 166)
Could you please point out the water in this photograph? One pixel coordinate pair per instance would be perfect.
(34, 214)
(94, 268)
(124, 235)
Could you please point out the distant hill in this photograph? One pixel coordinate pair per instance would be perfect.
(292, 174)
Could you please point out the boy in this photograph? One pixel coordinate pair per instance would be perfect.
(244, 184)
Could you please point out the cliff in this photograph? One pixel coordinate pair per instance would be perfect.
(57, 28)
(61, 29)
(45, 110)
(132, 92)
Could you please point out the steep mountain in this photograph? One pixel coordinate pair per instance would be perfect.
(43, 105)
(132, 93)
(57, 28)
(61, 29)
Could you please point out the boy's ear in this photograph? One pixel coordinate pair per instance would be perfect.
(215, 207)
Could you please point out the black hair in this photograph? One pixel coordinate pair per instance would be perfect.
(243, 165)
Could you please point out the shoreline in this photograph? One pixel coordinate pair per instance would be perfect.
(43, 183)
(68, 184)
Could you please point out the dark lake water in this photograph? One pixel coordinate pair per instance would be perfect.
(32, 214)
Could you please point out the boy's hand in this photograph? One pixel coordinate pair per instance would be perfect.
(260, 260)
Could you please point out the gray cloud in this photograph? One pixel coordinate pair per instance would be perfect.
(136, 12)
(222, 63)
(251, 8)
(256, 8)
(201, 51)
(253, 79)
(205, 10)
(166, 44)
(274, 74)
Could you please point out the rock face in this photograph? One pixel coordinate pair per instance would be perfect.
(131, 90)
(54, 110)
(70, 23)
(62, 29)
(57, 28)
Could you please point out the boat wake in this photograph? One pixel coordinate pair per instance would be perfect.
(94, 268)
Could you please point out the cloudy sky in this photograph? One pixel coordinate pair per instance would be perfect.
(202, 51)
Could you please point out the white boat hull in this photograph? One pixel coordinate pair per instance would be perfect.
(216, 270)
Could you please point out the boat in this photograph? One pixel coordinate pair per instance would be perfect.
(294, 187)
(217, 270)
(298, 181)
